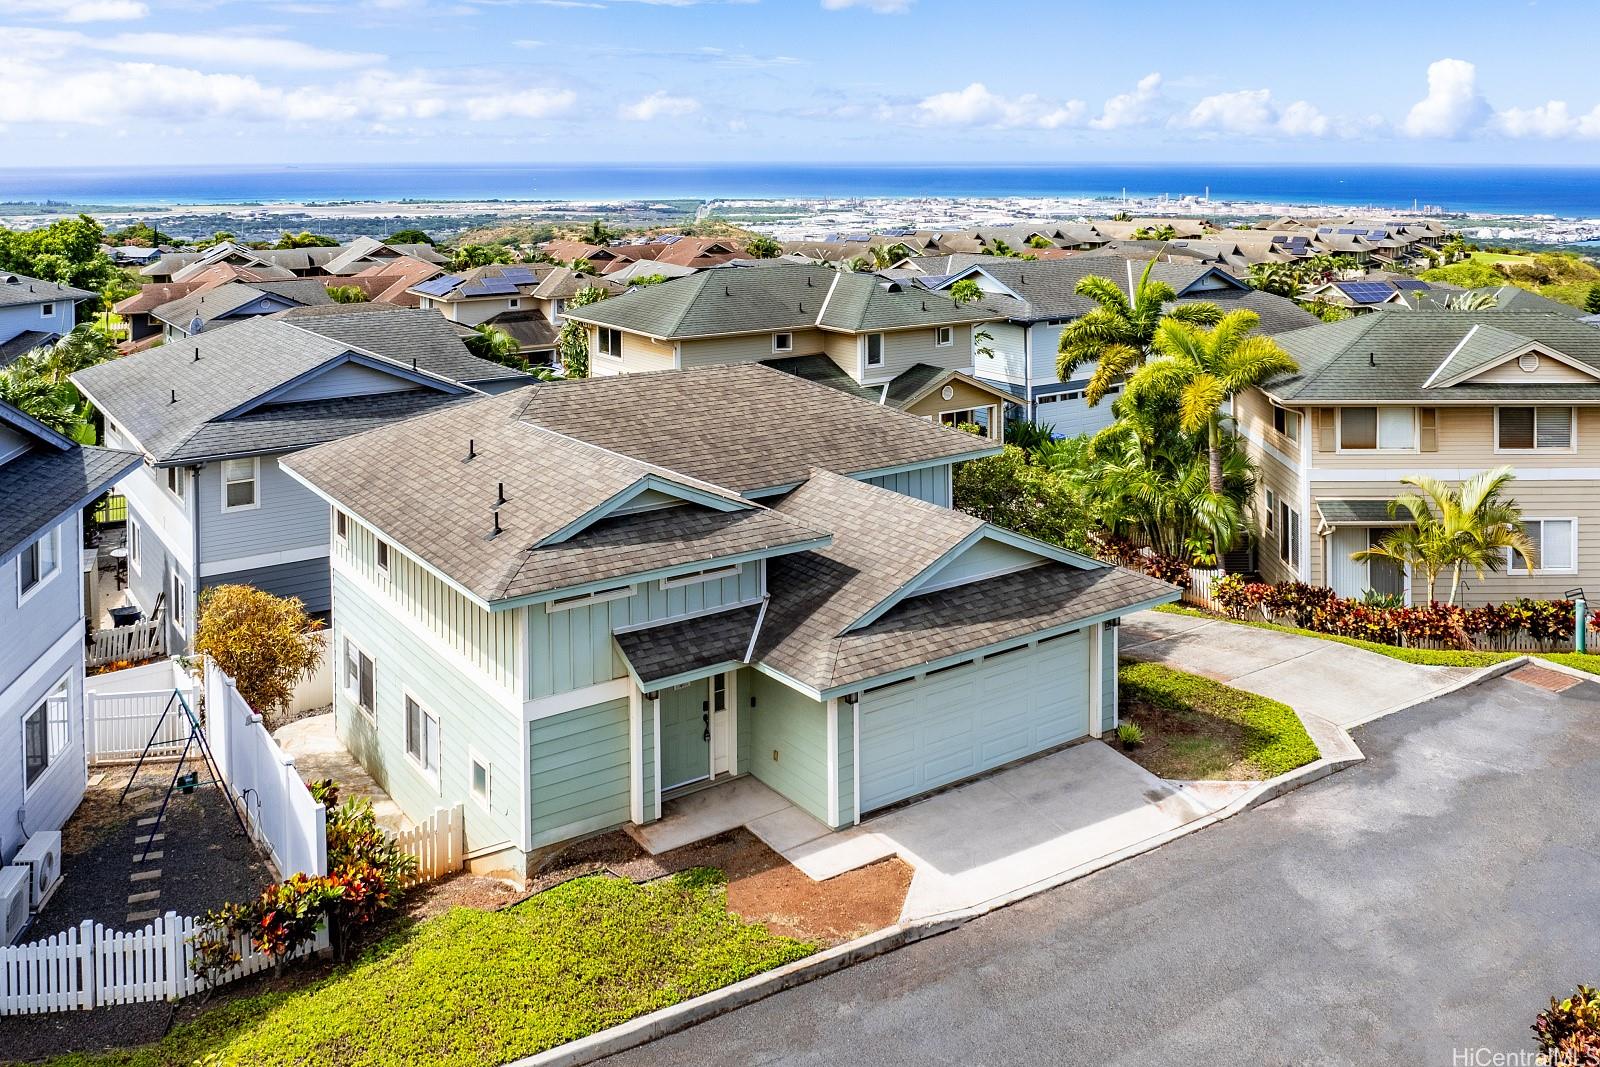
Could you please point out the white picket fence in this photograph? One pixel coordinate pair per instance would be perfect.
(122, 709)
(438, 843)
(141, 640)
(89, 966)
(1199, 590)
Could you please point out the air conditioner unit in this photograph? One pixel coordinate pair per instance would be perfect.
(43, 854)
(15, 882)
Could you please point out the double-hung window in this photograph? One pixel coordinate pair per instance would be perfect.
(1386, 429)
(46, 732)
(1286, 422)
(241, 484)
(1288, 534)
(180, 601)
(1533, 429)
(422, 736)
(359, 681)
(874, 350)
(1555, 543)
(610, 342)
(38, 563)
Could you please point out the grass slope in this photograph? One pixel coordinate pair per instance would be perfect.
(1272, 738)
(473, 987)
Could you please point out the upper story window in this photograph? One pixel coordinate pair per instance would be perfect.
(783, 342)
(1555, 543)
(1533, 429)
(37, 564)
(241, 484)
(341, 525)
(610, 342)
(47, 310)
(874, 350)
(944, 336)
(383, 557)
(1286, 422)
(582, 599)
(711, 574)
(1377, 429)
(514, 302)
(425, 304)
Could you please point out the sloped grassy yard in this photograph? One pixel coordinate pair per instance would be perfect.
(472, 987)
(1197, 729)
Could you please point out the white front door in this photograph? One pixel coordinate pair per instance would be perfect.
(722, 739)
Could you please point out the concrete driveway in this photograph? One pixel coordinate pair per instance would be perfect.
(1414, 908)
(1340, 683)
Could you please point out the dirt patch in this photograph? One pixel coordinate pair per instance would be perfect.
(1186, 745)
(460, 891)
(762, 886)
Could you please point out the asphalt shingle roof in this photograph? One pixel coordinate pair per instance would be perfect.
(692, 645)
(1278, 314)
(40, 486)
(1389, 355)
(404, 335)
(19, 289)
(211, 304)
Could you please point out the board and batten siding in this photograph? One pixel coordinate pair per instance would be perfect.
(473, 721)
(931, 484)
(580, 767)
(789, 744)
(846, 783)
(487, 640)
(572, 648)
(289, 519)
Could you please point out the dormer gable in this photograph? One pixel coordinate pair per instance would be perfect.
(354, 373)
(652, 492)
(1489, 355)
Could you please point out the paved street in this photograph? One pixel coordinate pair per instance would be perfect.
(1430, 899)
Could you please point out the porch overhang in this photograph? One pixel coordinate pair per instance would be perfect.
(1344, 512)
(673, 653)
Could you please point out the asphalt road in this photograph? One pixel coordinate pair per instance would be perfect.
(1427, 901)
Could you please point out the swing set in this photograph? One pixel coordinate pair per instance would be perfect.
(186, 783)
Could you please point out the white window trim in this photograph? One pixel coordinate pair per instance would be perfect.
(947, 332)
(1338, 424)
(342, 538)
(255, 481)
(1272, 512)
(776, 347)
(135, 545)
(25, 595)
(711, 574)
(513, 302)
(47, 311)
(382, 556)
(599, 350)
(53, 759)
(585, 599)
(353, 692)
(1572, 423)
(1512, 558)
(883, 352)
(179, 611)
(487, 799)
(408, 697)
(173, 477)
(1299, 424)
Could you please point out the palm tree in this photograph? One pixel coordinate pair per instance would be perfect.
(1473, 526)
(598, 233)
(1280, 279)
(886, 256)
(763, 247)
(1202, 369)
(1471, 301)
(493, 343)
(1116, 336)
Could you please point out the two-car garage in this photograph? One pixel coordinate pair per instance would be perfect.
(955, 723)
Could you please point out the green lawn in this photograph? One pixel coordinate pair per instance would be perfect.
(1500, 257)
(1427, 657)
(1220, 726)
(472, 987)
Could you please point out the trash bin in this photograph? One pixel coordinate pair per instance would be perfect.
(125, 616)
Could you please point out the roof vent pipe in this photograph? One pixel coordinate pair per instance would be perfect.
(497, 531)
(1372, 359)
(197, 353)
(500, 494)
(472, 450)
(174, 399)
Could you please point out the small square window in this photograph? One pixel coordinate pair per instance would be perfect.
(514, 302)
(944, 336)
(47, 310)
(783, 342)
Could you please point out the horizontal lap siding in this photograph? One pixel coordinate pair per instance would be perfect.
(1254, 414)
(846, 784)
(1467, 439)
(471, 721)
(290, 517)
(1007, 363)
(794, 729)
(580, 771)
(307, 580)
(28, 631)
(746, 348)
(58, 790)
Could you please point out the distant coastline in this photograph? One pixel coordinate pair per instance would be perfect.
(1526, 192)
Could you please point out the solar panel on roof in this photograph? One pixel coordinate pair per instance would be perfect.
(1416, 284)
(488, 287)
(437, 286)
(519, 275)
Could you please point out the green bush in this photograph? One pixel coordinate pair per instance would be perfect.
(1275, 741)
(1131, 734)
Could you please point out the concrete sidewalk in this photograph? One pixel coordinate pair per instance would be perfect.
(1344, 685)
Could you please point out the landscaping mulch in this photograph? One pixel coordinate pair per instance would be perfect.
(762, 886)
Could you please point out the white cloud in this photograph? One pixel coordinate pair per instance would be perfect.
(976, 105)
(279, 52)
(528, 104)
(658, 105)
(880, 7)
(1253, 112)
(78, 10)
(1550, 121)
(1453, 106)
(1138, 108)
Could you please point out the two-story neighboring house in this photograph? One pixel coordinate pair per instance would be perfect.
(34, 313)
(878, 338)
(1444, 394)
(46, 480)
(1038, 299)
(207, 308)
(524, 300)
(566, 605)
(213, 416)
(316, 261)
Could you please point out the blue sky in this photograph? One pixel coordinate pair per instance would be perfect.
(231, 81)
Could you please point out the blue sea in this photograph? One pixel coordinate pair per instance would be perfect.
(1572, 192)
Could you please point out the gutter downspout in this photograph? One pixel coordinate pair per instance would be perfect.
(191, 609)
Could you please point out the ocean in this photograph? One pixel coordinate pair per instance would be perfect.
(1569, 192)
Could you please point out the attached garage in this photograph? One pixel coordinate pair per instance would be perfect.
(919, 735)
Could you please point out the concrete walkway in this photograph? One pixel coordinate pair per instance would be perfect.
(986, 839)
(1344, 685)
(318, 753)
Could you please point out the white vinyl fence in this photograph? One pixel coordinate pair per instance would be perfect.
(288, 823)
(89, 966)
(122, 710)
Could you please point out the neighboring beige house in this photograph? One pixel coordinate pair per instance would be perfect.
(1439, 393)
(524, 300)
(890, 342)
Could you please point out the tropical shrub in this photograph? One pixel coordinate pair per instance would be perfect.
(266, 644)
(1568, 1031)
(1130, 733)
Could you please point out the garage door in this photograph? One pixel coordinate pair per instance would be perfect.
(917, 736)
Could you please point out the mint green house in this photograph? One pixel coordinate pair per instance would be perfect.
(568, 604)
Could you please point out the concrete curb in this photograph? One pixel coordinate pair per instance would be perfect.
(1482, 674)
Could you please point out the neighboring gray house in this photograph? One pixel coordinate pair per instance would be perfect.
(34, 313)
(214, 414)
(232, 301)
(340, 260)
(565, 605)
(1040, 298)
(46, 481)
